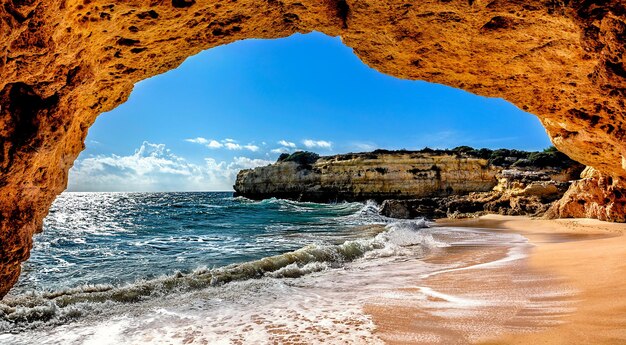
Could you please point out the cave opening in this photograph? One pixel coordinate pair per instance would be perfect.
(254, 99)
(241, 106)
(65, 63)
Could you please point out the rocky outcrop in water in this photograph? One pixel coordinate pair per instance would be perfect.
(444, 183)
(378, 175)
(63, 62)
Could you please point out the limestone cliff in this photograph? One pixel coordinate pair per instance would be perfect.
(593, 196)
(377, 176)
(518, 192)
(63, 62)
(432, 183)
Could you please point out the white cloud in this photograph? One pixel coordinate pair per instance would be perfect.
(363, 146)
(198, 140)
(286, 143)
(229, 144)
(239, 163)
(214, 144)
(223, 174)
(309, 143)
(232, 146)
(153, 167)
(282, 150)
(251, 147)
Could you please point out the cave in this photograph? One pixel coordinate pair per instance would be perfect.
(65, 62)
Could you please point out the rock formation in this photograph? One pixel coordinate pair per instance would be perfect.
(593, 196)
(376, 175)
(430, 183)
(518, 192)
(63, 62)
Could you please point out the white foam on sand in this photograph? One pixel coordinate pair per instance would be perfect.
(518, 249)
(453, 301)
(314, 303)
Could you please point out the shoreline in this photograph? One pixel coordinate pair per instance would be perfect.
(584, 255)
(488, 280)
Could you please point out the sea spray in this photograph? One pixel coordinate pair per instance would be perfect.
(36, 308)
(300, 275)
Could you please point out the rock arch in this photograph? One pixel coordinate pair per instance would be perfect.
(64, 62)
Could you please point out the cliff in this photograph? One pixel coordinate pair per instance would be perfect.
(63, 62)
(377, 176)
(518, 192)
(440, 183)
(593, 196)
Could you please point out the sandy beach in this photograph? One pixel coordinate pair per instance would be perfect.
(570, 288)
(490, 280)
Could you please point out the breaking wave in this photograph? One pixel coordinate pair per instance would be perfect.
(35, 309)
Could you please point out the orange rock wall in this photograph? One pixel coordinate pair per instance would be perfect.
(63, 62)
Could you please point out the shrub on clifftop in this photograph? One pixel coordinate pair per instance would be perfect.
(550, 157)
(282, 157)
(300, 157)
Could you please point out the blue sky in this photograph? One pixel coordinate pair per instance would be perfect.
(240, 105)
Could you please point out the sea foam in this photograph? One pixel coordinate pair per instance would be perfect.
(28, 311)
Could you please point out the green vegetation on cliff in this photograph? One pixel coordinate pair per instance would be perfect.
(550, 157)
(300, 157)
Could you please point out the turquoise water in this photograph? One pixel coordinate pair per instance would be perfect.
(207, 268)
(117, 238)
(105, 252)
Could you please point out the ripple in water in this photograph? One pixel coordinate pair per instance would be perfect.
(117, 238)
(207, 268)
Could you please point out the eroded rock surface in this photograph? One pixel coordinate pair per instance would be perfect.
(519, 192)
(63, 62)
(365, 176)
(462, 182)
(593, 196)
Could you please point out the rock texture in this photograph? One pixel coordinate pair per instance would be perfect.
(462, 182)
(63, 62)
(518, 192)
(365, 176)
(594, 196)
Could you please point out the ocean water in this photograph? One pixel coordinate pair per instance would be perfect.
(117, 238)
(207, 268)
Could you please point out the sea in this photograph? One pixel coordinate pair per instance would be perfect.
(210, 268)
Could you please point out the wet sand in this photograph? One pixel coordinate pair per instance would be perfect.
(493, 280)
(571, 289)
